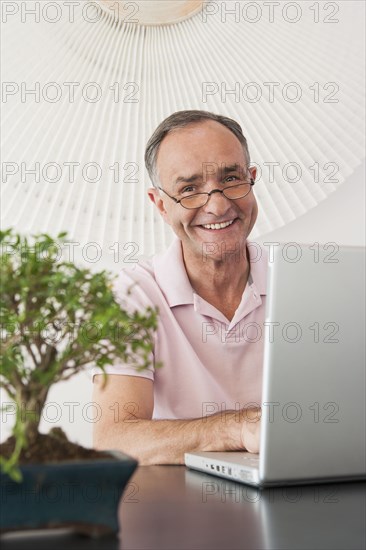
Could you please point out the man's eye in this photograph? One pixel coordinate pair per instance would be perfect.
(188, 189)
(231, 178)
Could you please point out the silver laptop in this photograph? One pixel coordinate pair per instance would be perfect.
(313, 426)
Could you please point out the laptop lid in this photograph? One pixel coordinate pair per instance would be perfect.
(313, 401)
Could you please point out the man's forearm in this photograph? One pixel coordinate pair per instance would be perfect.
(166, 441)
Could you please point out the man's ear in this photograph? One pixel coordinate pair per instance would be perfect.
(156, 198)
(253, 172)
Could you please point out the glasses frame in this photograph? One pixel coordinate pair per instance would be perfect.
(222, 191)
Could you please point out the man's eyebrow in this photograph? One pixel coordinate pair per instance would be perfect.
(231, 168)
(190, 179)
(221, 171)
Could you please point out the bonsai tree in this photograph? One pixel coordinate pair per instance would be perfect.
(56, 319)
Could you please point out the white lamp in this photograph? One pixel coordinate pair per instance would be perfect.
(153, 12)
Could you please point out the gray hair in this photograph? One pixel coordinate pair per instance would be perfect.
(180, 119)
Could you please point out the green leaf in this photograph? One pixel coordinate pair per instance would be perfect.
(56, 319)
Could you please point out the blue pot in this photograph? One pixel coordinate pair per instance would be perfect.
(83, 495)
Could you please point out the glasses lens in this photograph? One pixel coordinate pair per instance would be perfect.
(237, 191)
(194, 201)
(200, 199)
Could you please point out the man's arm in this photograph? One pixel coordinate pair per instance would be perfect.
(126, 424)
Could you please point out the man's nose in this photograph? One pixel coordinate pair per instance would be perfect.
(217, 203)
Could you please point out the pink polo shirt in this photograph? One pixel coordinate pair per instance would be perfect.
(209, 363)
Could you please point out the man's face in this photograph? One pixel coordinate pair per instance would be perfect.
(186, 152)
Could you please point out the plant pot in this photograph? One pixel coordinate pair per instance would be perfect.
(82, 495)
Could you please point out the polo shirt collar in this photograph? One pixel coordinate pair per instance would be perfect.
(258, 267)
(171, 275)
(172, 278)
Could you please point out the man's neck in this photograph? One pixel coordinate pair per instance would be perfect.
(220, 283)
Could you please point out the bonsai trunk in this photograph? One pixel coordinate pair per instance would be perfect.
(30, 403)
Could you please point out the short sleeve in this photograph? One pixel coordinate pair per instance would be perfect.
(131, 292)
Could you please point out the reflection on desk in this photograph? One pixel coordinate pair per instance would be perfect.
(171, 507)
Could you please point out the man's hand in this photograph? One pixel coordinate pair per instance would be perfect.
(251, 427)
(133, 431)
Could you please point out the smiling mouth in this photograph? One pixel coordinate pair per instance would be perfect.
(218, 225)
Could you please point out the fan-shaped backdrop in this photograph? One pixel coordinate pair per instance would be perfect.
(85, 88)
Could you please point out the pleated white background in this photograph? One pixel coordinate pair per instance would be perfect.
(102, 84)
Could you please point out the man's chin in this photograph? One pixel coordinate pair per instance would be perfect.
(220, 250)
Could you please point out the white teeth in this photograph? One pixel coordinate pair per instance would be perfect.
(217, 225)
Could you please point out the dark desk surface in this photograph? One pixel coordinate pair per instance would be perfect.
(171, 507)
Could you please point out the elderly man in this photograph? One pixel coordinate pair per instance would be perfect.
(210, 288)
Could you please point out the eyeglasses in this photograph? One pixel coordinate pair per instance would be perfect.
(197, 200)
